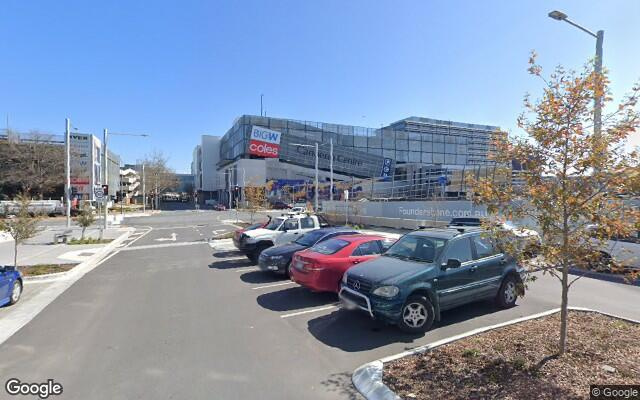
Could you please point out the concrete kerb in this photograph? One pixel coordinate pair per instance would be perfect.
(368, 378)
(86, 265)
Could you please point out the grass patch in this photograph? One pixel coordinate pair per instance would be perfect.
(89, 241)
(42, 269)
(226, 235)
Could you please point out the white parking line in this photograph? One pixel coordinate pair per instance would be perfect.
(274, 285)
(245, 269)
(310, 311)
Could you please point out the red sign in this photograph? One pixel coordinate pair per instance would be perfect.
(264, 142)
(264, 149)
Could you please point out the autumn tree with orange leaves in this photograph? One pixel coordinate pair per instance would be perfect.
(572, 180)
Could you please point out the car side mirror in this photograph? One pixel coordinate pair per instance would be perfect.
(452, 263)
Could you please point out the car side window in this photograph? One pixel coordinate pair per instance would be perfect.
(484, 247)
(291, 224)
(306, 223)
(460, 249)
(367, 249)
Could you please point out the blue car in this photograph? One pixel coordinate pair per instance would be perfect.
(10, 285)
(429, 271)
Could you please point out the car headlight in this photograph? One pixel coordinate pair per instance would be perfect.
(277, 257)
(344, 278)
(386, 291)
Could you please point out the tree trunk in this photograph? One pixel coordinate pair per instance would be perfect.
(82, 234)
(564, 310)
(15, 254)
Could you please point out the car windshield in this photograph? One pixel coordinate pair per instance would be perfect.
(274, 224)
(417, 248)
(330, 246)
(310, 238)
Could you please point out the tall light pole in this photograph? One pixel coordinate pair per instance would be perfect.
(105, 135)
(331, 169)
(316, 183)
(144, 192)
(261, 96)
(599, 36)
(67, 170)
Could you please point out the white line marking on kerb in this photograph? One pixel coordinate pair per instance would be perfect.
(274, 285)
(309, 311)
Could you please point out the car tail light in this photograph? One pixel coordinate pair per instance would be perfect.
(310, 266)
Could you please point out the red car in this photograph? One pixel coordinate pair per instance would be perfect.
(321, 267)
(238, 233)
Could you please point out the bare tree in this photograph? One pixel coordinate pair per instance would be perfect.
(21, 227)
(31, 165)
(158, 177)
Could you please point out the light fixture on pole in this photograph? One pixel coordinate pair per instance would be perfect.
(599, 36)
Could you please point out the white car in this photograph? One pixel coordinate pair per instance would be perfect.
(623, 251)
(284, 229)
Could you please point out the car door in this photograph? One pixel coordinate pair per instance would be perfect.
(307, 224)
(489, 262)
(455, 285)
(365, 251)
(291, 231)
(626, 250)
(4, 284)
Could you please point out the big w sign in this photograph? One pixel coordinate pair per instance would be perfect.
(264, 142)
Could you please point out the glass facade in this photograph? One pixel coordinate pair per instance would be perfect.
(411, 140)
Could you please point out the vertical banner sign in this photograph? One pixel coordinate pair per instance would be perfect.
(386, 167)
(80, 163)
(264, 142)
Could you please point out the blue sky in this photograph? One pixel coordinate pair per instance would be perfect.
(176, 70)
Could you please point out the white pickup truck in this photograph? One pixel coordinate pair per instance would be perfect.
(280, 230)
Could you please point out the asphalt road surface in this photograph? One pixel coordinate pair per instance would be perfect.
(170, 317)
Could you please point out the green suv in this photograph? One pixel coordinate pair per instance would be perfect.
(429, 271)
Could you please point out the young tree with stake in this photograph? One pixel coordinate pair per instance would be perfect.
(85, 219)
(21, 227)
(571, 176)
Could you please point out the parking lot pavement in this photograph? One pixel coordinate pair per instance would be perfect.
(200, 322)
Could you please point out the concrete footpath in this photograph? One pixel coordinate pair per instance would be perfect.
(39, 293)
(41, 250)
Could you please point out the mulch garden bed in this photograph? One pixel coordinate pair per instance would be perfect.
(41, 269)
(518, 362)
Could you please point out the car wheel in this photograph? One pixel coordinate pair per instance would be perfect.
(256, 253)
(15, 292)
(287, 269)
(508, 293)
(602, 264)
(417, 315)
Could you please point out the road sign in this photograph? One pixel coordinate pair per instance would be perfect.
(98, 192)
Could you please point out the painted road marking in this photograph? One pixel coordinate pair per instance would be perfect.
(310, 311)
(157, 246)
(274, 285)
(245, 269)
(171, 239)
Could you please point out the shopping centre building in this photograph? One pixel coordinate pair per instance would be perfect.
(281, 153)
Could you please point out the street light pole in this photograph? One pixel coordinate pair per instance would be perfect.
(106, 180)
(331, 169)
(599, 36)
(317, 193)
(144, 192)
(67, 171)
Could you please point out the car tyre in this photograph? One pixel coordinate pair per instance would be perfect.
(604, 263)
(287, 269)
(16, 292)
(508, 293)
(256, 253)
(417, 315)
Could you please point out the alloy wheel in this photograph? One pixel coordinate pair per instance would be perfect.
(414, 315)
